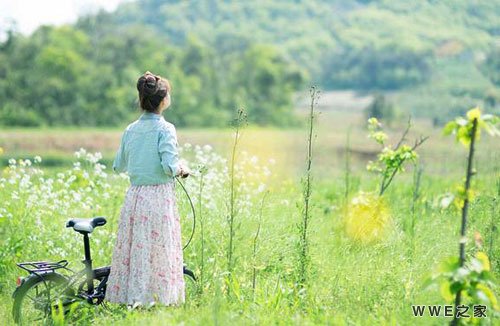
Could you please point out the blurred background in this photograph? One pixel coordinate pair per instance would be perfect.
(68, 71)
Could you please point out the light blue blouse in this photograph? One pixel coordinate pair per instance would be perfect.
(148, 151)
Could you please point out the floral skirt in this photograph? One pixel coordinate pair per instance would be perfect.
(147, 264)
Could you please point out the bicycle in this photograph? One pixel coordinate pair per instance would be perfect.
(46, 291)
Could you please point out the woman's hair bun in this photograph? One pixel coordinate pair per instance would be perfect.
(147, 84)
(152, 89)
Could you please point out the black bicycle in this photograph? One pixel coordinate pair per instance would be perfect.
(45, 291)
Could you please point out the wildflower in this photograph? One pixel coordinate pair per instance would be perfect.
(379, 136)
(80, 153)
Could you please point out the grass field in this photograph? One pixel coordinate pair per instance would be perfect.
(286, 146)
(350, 282)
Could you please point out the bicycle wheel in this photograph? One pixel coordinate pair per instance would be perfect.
(38, 296)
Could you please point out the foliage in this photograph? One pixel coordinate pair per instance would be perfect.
(367, 218)
(369, 68)
(454, 88)
(462, 127)
(360, 44)
(15, 116)
(491, 65)
(474, 280)
(468, 132)
(390, 160)
(71, 76)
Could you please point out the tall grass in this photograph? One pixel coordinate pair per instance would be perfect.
(417, 177)
(238, 124)
(306, 192)
(495, 213)
(201, 218)
(347, 169)
(255, 243)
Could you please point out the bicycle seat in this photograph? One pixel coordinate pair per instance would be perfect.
(85, 225)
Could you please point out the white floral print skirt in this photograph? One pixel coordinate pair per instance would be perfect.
(147, 264)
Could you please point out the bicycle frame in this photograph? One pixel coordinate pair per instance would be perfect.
(88, 264)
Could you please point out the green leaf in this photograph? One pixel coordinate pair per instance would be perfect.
(455, 287)
(445, 291)
(449, 265)
(450, 127)
(483, 259)
(474, 113)
(463, 135)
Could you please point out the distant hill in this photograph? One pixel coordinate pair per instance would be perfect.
(331, 34)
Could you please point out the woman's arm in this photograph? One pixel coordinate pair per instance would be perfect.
(120, 162)
(169, 155)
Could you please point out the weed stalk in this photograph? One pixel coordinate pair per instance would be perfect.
(240, 119)
(347, 176)
(307, 188)
(202, 230)
(255, 238)
(465, 209)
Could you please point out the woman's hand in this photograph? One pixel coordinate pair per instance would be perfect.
(184, 172)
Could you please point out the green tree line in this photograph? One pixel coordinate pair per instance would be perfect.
(68, 76)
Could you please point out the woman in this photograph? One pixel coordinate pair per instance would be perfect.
(147, 265)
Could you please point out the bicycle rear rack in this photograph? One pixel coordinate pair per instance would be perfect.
(43, 266)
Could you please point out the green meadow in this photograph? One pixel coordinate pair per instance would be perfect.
(349, 280)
